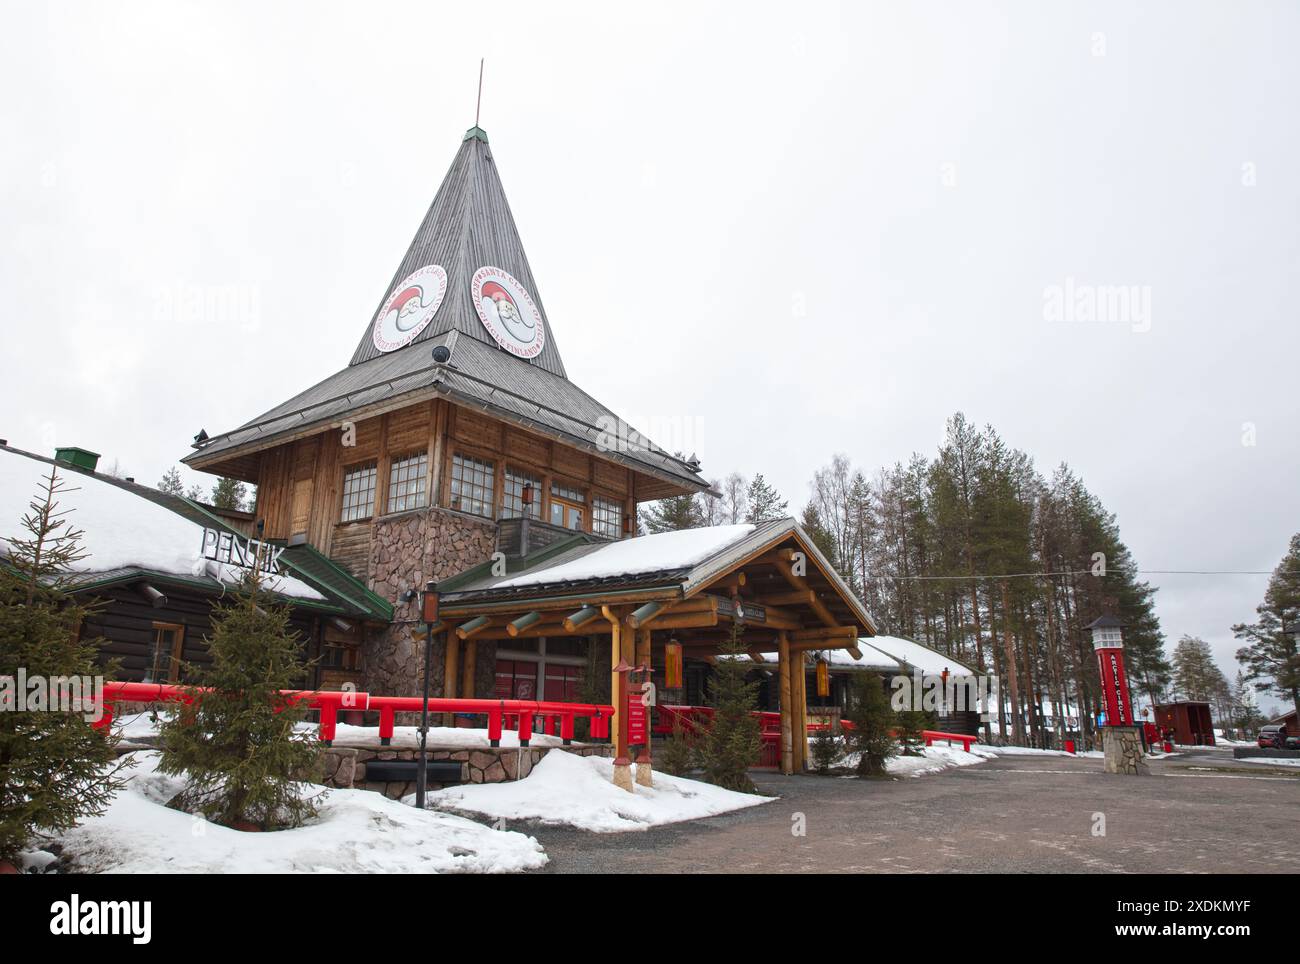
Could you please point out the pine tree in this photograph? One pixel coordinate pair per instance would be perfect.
(1195, 675)
(731, 744)
(194, 493)
(672, 514)
(55, 768)
(1271, 660)
(171, 482)
(678, 753)
(872, 736)
(910, 726)
(763, 502)
(236, 743)
(825, 749)
(229, 494)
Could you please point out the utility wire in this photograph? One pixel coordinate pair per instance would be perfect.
(1082, 572)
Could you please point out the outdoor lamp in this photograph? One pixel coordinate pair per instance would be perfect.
(527, 495)
(429, 611)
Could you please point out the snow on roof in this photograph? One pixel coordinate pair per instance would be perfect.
(664, 550)
(122, 530)
(927, 660)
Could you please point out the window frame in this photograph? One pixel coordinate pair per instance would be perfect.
(421, 478)
(173, 671)
(356, 468)
(494, 463)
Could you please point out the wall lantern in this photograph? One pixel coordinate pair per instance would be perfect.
(527, 497)
(429, 607)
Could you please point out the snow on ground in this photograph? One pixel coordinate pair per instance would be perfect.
(663, 550)
(356, 831)
(408, 737)
(936, 759)
(122, 530)
(1279, 762)
(578, 791)
(1035, 751)
(140, 726)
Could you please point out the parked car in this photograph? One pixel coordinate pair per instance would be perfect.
(1273, 735)
(1293, 742)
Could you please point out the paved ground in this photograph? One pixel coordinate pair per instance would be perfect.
(1197, 812)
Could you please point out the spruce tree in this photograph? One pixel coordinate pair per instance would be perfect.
(910, 726)
(825, 749)
(672, 514)
(171, 482)
(731, 744)
(229, 494)
(1271, 660)
(236, 743)
(677, 754)
(765, 503)
(872, 735)
(55, 768)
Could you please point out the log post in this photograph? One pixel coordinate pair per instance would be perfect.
(799, 689)
(450, 673)
(783, 661)
(644, 770)
(467, 674)
(619, 639)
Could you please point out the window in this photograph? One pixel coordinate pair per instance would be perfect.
(566, 506)
(165, 655)
(408, 480)
(473, 482)
(512, 494)
(358, 493)
(606, 518)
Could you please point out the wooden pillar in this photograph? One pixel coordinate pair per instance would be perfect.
(450, 673)
(620, 642)
(783, 663)
(467, 673)
(644, 769)
(800, 719)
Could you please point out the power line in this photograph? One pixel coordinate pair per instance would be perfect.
(1080, 572)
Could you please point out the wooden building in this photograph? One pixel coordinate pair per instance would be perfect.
(157, 564)
(1188, 719)
(454, 437)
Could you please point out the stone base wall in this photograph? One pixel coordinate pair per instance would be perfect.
(406, 551)
(1123, 748)
(345, 766)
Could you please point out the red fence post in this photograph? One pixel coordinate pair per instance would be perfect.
(494, 725)
(386, 719)
(566, 728)
(329, 714)
(525, 727)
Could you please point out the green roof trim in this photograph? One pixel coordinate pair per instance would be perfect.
(530, 561)
(319, 570)
(476, 133)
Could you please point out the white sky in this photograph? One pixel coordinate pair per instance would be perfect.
(813, 228)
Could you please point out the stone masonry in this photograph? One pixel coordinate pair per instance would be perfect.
(405, 551)
(345, 766)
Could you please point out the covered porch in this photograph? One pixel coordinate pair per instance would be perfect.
(672, 597)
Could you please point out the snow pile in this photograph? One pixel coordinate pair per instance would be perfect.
(664, 550)
(356, 831)
(1270, 761)
(935, 759)
(122, 530)
(1034, 751)
(576, 791)
(408, 737)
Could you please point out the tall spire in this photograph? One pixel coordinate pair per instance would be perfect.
(465, 271)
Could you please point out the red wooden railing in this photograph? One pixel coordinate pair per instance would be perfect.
(521, 713)
(693, 720)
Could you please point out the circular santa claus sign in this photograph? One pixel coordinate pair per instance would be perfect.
(507, 312)
(409, 308)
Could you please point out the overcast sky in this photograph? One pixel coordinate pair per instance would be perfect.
(798, 229)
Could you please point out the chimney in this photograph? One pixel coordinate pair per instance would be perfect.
(80, 458)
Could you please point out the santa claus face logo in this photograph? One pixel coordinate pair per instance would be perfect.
(507, 312)
(409, 308)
